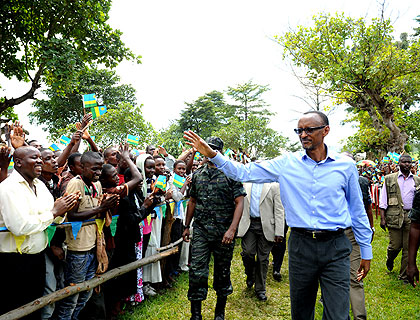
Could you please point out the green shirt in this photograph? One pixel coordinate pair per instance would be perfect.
(215, 199)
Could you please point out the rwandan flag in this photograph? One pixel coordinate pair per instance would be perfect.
(179, 181)
(197, 155)
(54, 147)
(135, 140)
(180, 144)
(161, 182)
(98, 111)
(89, 100)
(11, 164)
(65, 140)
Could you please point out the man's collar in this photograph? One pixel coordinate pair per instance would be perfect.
(15, 175)
(330, 154)
(401, 174)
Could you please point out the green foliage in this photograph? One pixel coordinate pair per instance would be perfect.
(253, 136)
(249, 100)
(112, 127)
(360, 64)
(204, 114)
(63, 109)
(54, 40)
(170, 138)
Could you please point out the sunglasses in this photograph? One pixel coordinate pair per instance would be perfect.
(308, 130)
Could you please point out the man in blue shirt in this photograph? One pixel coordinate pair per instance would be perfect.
(321, 196)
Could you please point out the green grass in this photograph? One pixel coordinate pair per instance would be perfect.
(386, 296)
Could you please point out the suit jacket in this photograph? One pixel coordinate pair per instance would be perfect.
(271, 211)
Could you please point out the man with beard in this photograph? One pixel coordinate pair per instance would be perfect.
(321, 196)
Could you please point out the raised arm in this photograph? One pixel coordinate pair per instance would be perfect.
(266, 171)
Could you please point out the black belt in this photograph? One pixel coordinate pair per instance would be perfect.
(321, 235)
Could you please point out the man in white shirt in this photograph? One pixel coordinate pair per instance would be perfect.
(26, 209)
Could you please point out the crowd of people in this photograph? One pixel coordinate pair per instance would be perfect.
(67, 216)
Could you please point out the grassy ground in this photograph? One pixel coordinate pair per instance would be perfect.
(386, 296)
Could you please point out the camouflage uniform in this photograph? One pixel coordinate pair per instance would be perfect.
(215, 205)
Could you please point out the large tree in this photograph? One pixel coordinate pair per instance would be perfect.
(52, 41)
(204, 115)
(359, 63)
(248, 100)
(64, 108)
(253, 136)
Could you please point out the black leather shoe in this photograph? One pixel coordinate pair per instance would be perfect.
(196, 310)
(389, 265)
(277, 275)
(261, 296)
(249, 282)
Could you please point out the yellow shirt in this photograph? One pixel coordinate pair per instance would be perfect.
(25, 213)
(86, 237)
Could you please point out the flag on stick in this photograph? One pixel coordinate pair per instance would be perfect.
(54, 147)
(134, 140)
(89, 100)
(161, 182)
(65, 140)
(11, 164)
(179, 181)
(98, 111)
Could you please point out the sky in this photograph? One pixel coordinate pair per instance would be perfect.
(192, 47)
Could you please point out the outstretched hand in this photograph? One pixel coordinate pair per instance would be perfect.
(194, 140)
(5, 157)
(17, 135)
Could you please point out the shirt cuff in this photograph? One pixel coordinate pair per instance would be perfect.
(366, 253)
(219, 160)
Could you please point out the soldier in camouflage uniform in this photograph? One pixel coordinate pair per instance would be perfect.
(216, 204)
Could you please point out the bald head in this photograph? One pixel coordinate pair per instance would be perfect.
(28, 162)
(24, 151)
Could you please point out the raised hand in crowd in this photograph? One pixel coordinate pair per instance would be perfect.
(17, 135)
(162, 151)
(5, 158)
(194, 140)
(65, 204)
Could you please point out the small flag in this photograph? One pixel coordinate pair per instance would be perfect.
(93, 138)
(89, 100)
(11, 164)
(98, 111)
(50, 232)
(113, 225)
(197, 156)
(100, 224)
(179, 181)
(228, 152)
(65, 140)
(135, 152)
(385, 160)
(19, 241)
(161, 182)
(54, 147)
(180, 144)
(135, 140)
(75, 227)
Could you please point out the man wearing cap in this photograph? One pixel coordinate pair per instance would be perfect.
(216, 204)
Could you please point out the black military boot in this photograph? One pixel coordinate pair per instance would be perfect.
(196, 310)
(219, 313)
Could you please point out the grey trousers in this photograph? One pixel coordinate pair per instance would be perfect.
(324, 262)
(255, 254)
(398, 240)
(357, 292)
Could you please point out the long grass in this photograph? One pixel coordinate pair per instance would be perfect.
(386, 296)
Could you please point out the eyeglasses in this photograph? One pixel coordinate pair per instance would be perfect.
(308, 130)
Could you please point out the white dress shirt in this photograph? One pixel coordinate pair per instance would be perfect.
(25, 213)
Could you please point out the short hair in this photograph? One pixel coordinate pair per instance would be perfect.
(72, 158)
(106, 151)
(30, 141)
(90, 156)
(106, 168)
(128, 175)
(178, 162)
(44, 149)
(405, 155)
(322, 115)
(158, 156)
